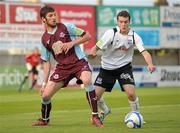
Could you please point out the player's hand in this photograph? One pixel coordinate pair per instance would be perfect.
(151, 68)
(67, 46)
(92, 54)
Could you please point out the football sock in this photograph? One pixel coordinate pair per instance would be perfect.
(134, 104)
(102, 105)
(92, 100)
(45, 110)
(22, 83)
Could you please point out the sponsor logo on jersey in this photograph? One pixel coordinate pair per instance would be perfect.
(123, 48)
(57, 47)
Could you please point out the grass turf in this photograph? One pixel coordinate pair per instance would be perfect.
(70, 112)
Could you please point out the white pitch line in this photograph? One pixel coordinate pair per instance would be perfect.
(87, 110)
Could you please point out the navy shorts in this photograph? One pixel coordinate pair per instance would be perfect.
(107, 78)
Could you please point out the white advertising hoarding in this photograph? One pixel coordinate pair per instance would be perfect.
(170, 38)
(170, 16)
(13, 36)
(169, 76)
(22, 28)
(163, 76)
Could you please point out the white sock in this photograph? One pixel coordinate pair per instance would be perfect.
(134, 104)
(102, 105)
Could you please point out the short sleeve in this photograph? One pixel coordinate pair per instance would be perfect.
(138, 42)
(73, 30)
(105, 40)
(45, 54)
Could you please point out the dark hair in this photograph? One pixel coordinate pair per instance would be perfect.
(124, 13)
(44, 10)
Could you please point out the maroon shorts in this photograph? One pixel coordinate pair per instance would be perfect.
(67, 73)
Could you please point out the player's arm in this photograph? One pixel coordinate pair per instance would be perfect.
(46, 64)
(80, 37)
(46, 70)
(147, 57)
(93, 52)
(103, 42)
(79, 40)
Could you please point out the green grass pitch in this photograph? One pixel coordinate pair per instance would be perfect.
(160, 108)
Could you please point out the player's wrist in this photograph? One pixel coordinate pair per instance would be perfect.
(44, 83)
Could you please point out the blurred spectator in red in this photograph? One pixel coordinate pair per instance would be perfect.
(32, 65)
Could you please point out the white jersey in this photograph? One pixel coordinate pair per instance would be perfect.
(121, 51)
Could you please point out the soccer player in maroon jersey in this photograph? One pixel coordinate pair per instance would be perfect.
(61, 40)
(32, 63)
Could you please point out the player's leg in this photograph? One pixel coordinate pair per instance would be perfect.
(105, 110)
(50, 89)
(104, 82)
(34, 81)
(132, 98)
(90, 92)
(126, 81)
(29, 70)
(91, 97)
(101, 102)
(34, 77)
(23, 81)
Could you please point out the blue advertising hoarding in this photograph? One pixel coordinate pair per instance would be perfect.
(151, 38)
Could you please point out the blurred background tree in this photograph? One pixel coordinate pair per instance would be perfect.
(161, 3)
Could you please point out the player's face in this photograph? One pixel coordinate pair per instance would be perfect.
(123, 23)
(51, 19)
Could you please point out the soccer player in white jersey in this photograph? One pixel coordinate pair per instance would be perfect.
(117, 53)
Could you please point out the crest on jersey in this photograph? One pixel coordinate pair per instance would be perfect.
(61, 35)
(130, 41)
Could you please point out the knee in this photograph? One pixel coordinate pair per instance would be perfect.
(130, 91)
(45, 97)
(98, 97)
(131, 96)
(99, 92)
(86, 81)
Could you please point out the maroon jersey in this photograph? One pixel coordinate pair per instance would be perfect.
(61, 34)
